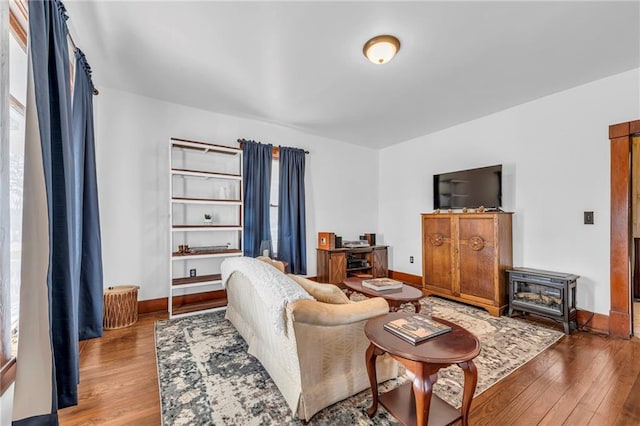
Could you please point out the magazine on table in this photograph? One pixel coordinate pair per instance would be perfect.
(381, 284)
(416, 328)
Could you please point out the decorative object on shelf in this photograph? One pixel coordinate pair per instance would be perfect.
(464, 210)
(326, 240)
(207, 218)
(371, 239)
(223, 192)
(201, 249)
(265, 248)
(436, 211)
(480, 209)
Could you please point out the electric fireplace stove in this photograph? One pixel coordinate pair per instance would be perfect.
(551, 294)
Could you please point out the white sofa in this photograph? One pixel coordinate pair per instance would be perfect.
(308, 336)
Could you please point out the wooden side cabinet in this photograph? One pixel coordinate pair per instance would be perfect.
(465, 257)
(335, 265)
(379, 262)
(332, 266)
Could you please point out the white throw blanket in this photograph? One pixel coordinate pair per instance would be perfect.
(274, 288)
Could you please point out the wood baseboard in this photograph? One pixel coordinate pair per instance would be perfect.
(587, 320)
(161, 305)
(598, 323)
(593, 322)
(413, 280)
(153, 305)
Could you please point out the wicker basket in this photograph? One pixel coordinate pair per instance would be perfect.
(120, 306)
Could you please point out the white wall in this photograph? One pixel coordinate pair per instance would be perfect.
(554, 151)
(555, 156)
(132, 137)
(6, 405)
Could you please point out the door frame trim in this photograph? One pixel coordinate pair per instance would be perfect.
(620, 281)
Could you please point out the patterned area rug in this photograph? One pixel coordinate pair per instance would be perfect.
(207, 378)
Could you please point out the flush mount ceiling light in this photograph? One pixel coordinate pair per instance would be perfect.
(381, 49)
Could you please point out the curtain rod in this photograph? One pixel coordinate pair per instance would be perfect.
(73, 43)
(20, 14)
(240, 141)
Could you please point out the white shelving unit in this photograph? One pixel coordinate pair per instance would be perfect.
(204, 178)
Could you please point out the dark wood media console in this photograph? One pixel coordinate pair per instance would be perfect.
(547, 293)
(335, 265)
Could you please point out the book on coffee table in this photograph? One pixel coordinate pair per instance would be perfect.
(381, 284)
(416, 328)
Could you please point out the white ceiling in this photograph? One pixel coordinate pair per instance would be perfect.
(300, 64)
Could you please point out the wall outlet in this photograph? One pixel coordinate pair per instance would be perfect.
(192, 272)
(588, 218)
(410, 259)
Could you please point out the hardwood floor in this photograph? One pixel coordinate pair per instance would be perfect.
(118, 378)
(584, 379)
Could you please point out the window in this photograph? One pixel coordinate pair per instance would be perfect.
(16, 175)
(17, 102)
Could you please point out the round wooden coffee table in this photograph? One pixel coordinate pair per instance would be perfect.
(395, 298)
(413, 402)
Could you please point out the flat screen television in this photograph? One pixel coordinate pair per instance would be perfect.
(468, 188)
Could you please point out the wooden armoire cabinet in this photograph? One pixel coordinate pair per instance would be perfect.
(465, 257)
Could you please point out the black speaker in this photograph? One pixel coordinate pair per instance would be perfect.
(338, 242)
